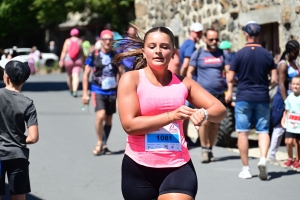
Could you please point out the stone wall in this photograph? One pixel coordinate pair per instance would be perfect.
(228, 16)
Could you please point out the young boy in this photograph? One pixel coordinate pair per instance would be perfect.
(15, 111)
(291, 121)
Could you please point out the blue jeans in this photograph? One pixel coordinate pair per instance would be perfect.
(247, 113)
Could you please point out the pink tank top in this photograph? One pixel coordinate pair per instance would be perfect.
(167, 146)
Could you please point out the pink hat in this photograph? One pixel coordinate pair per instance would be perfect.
(74, 32)
(104, 32)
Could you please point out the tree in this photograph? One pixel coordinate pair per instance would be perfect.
(26, 18)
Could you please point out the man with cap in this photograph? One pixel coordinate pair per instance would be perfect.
(185, 52)
(16, 112)
(209, 64)
(188, 47)
(103, 88)
(253, 64)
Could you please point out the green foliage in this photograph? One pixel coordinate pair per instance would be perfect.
(25, 16)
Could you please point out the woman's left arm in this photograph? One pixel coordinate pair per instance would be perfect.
(200, 98)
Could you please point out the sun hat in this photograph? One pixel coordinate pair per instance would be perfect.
(225, 45)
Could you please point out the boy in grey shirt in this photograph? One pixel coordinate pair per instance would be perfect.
(16, 111)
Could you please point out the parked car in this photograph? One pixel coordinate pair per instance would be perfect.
(48, 59)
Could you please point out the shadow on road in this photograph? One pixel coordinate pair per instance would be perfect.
(44, 86)
(117, 152)
(28, 196)
(274, 175)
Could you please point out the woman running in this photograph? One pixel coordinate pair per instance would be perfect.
(151, 103)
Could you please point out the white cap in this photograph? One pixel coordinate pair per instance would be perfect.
(4, 61)
(196, 27)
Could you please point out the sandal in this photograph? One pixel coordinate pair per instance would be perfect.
(97, 150)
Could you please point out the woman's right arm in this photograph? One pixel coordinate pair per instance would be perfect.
(282, 71)
(63, 53)
(129, 109)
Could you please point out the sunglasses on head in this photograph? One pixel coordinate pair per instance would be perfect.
(212, 39)
(107, 39)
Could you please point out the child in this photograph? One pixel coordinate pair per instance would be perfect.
(291, 121)
(15, 111)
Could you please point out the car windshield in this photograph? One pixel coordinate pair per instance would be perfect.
(23, 53)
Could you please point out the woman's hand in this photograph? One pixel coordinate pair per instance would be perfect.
(181, 113)
(198, 117)
(61, 63)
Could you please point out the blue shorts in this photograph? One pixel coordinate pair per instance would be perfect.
(248, 113)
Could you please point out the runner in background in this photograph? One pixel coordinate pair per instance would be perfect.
(71, 57)
(174, 65)
(104, 89)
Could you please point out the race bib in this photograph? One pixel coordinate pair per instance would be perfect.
(166, 138)
(108, 83)
(293, 122)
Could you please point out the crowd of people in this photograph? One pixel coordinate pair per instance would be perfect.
(158, 90)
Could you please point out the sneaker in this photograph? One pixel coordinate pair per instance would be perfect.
(106, 151)
(296, 165)
(211, 156)
(274, 161)
(205, 156)
(288, 163)
(245, 174)
(262, 167)
(74, 94)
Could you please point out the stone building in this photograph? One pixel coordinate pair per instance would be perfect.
(279, 19)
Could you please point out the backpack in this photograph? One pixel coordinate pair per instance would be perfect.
(74, 49)
(97, 60)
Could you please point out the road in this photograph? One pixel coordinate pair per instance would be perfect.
(62, 166)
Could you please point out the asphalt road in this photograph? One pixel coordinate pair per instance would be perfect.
(62, 166)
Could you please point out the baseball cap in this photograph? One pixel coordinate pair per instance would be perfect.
(74, 32)
(196, 27)
(16, 69)
(104, 32)
(225, 45)
(252, 28)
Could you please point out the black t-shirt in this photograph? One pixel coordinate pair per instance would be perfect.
(253, 65)
(16, 111)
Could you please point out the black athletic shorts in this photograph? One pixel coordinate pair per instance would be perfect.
(292, 135)
(146, 183)
(105, 102)
(17, 171)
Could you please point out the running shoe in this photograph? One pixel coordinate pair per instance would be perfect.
(245, 174)
(262, 167)
(211, 156)
(205, 156)
(296, 165)
(74, 94)
(288, 163)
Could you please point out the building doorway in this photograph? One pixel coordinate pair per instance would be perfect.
(269, 39)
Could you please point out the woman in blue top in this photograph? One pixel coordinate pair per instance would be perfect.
(287, 69)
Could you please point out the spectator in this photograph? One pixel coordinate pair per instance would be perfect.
(209, 63)
(253, 64)
(52, 47)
